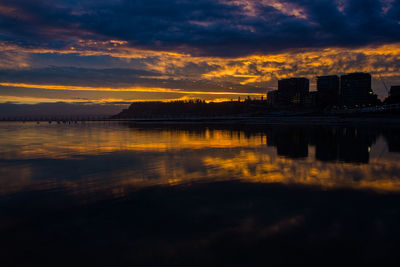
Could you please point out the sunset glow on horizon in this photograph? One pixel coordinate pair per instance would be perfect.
(205, 50)
(199, 132)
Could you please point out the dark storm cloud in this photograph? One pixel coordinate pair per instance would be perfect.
(203, 27)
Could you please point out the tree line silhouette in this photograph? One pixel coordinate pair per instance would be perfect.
(192, 108)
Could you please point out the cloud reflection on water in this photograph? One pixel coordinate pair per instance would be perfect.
(116, 158)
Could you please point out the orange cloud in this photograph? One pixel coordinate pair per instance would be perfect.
(250, 73)
(128, 89)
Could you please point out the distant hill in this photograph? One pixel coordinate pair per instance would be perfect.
(192, 108)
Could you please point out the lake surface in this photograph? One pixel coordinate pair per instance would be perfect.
(108, 193)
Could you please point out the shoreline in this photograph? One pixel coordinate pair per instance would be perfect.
(321, 120)
(267, 120)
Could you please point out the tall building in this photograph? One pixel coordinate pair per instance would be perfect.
(293, 91)
(394, 95)
(328, 91)
(395, 91)
(356, 89)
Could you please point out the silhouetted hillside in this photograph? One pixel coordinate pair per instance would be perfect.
(192, 108)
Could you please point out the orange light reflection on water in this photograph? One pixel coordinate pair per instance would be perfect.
(115, 158)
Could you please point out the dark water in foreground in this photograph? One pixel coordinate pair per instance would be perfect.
(110, 194)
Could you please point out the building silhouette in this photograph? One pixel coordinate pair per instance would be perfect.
(328, 91)
(356, 90)
(395, 91)
(394, 95)
(293, 91)
(310, 100)
(349, 91)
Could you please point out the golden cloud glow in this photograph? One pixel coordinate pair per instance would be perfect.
(35, 100)
(258, 68)
(254, 73)
(311, 63)
(128, 89)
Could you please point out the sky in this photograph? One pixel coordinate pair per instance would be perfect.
(120, 51)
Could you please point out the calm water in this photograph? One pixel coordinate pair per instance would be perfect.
(122, 194)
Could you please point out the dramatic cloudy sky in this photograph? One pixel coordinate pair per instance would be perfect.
(118, 51)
